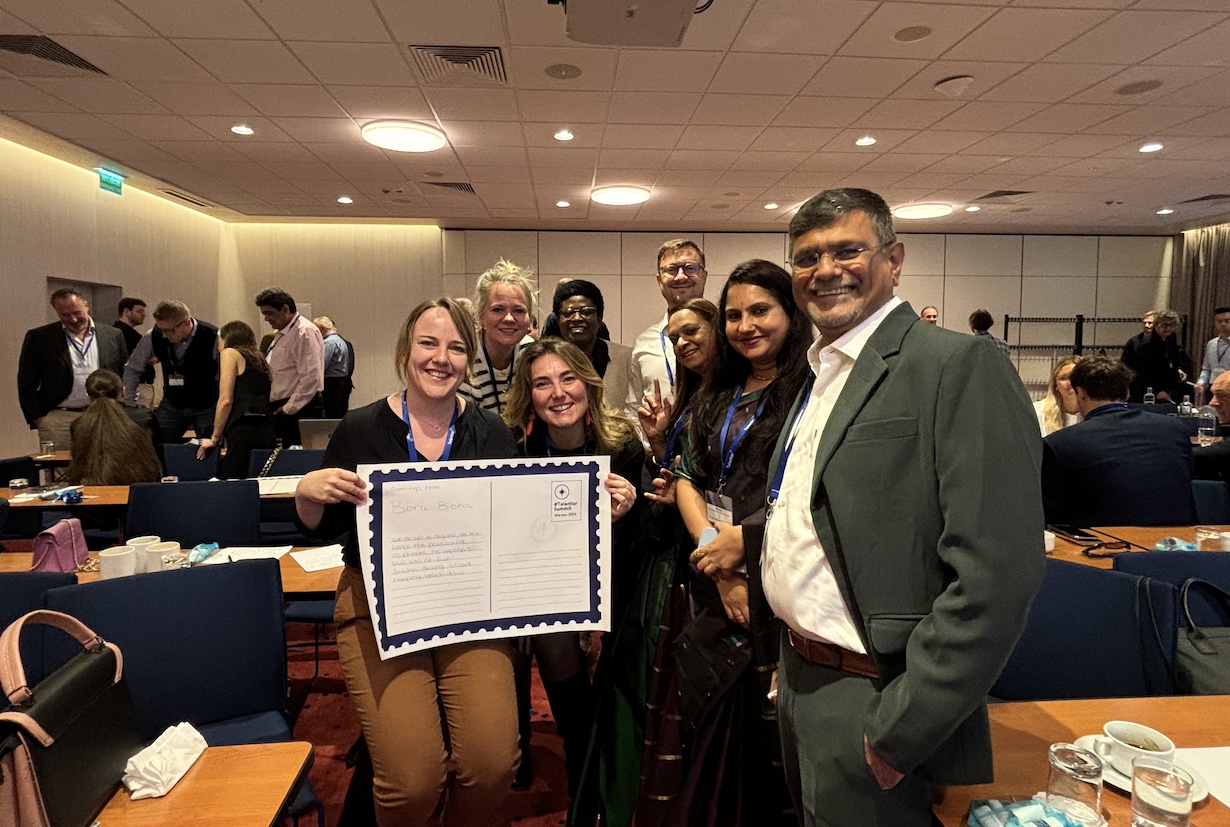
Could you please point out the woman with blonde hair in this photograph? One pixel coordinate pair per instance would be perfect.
(505, 305)
(1057, 410)
(109, 448)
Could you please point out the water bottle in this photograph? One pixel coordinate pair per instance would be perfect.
(1149, 397)
(1185, 407)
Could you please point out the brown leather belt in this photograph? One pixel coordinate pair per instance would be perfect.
(826, 654)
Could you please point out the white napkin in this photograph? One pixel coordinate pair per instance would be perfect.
(153, 771)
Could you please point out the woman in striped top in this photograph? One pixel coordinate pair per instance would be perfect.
(506, 303)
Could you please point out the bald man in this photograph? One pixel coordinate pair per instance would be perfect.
(930, 315)
(1212, 462)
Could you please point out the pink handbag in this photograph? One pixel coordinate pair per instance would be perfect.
(61, 547)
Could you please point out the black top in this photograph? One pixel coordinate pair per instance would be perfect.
(251, 396)
(198, 367)
(132, 337)
(374, 434)
(1157, 363)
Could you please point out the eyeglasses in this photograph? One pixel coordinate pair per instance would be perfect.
(586, 313)
(165, 330)
(841, 257)
(1106, 549)
(690, 269)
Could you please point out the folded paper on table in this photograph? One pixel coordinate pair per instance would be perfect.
(278, 485)
(484, 549)
(232, 555)
(153, 771)
(319, 559)
(1214, 764)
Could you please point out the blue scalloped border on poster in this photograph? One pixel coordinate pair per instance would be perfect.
(542, 467)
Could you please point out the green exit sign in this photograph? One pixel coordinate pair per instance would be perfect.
(110, 181)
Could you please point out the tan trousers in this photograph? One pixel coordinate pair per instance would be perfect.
(55, 428)
(399, 702)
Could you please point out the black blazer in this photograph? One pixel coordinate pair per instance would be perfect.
(45, 373)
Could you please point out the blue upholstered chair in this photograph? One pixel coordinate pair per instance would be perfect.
(1177, 566)
(288, 463)
(278, 516)
(180, 461)
(22, 592)
(1212, 502)
(26, 522)
(1094, 633)
(227, 513)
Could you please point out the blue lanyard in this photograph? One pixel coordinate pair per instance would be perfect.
(1221, 352)
(673, 438)
(499, 403)
(734, 445)
(448, 440)
(776, 488)
(670, 374)
(83, 350)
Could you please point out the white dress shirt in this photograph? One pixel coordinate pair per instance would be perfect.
(83, 356)
(798, 578)
(650, 361)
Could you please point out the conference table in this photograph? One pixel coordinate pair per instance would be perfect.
(237, 786)
(1140, 538)
(104, 495)
(1022, 732)
(297, 584)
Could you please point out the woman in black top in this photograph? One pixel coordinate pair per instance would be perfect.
(242, 414)
(448, 710)
(555, 409)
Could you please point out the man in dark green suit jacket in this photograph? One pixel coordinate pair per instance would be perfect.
(904, 543)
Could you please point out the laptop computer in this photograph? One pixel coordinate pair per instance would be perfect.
(315, 433)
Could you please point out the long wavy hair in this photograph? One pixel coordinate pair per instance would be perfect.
(108, 447)
(689, 382)
(1052, 408)
(733, 370)
(240, 337)
(607, 429)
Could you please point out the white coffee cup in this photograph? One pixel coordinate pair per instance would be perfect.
(141, 544)
(1048, 541)
(155, 553)
(1125, 741)
(119, 561)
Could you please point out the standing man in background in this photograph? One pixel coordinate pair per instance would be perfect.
(339, 368)
(131, 314)
(1133, 344)
(1216, 353)
(980, 322)
(930, 315)
(296, 359)
(187, 349)
(55, 361)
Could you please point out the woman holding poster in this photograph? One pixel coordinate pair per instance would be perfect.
(444, 711)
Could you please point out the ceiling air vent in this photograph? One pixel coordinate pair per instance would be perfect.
(468, 189)
(38, 56)
(187, 199)
(1003, 194)
(1206, 198)
(460, 65)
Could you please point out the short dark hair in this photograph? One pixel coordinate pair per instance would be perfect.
(1217, 311)
(128, 303)
(826, 208)
(64, 293)
(1102, 377)
(578, 287)
(981, 320)
(276, 297)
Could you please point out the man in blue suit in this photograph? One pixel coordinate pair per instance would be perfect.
(1120, 465)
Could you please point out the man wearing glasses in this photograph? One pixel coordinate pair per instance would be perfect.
(187, 349)
(904, 535)
(681, 276)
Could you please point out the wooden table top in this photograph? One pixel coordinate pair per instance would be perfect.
(1142, 538)
(55, 459)
(296, 583)
(240, 786)
(99, 495)
(1022, 732)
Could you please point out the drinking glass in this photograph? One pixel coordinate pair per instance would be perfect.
(1074, 785)
(1207, 538)
(46, 448)
(1206, 432)
(1161, 794)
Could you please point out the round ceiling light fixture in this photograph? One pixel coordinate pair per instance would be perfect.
(866, 140)
(973, 208)
(564, 135)
(1152, 146)
(563, 204)
(772, 205)
(403, 136)
(916, 211)
(345, 199)
(620, 196)
(1165, 211)
(242, 129)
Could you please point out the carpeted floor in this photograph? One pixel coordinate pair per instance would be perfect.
(328, 721)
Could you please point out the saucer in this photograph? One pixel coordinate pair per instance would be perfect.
(1116, 779)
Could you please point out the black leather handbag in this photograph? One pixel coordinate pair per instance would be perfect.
(65, 742)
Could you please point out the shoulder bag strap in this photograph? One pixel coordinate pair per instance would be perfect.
(13, 674)
(269, 462)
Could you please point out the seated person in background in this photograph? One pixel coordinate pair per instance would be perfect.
(1119, 466)
(1057, 410)
(1160, 362)
(109, 447)
(1213, 461)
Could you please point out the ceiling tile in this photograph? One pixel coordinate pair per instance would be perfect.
(196, 151)
(492, 156)
(572, 176)
(1208, 48)
(245, 173)
(136, 59)
(772, 161)
(809, 111)
(987, 116)
(275, 152)
(308, 171)
(1131, 36)
(717, 26)
(526, 68)
(719, 137)
(773, 23)
(105, 18)
(220, 127)
(565, 107)
(16, 96)
(543, 134)
(1048, 82)
(1026, 34)
(761, 74)
(499, 175)
(628, 136)
(862, 77)
(949, 23)
(1172, 78)
(355, 64)
(1029, 165)
(1147, 122)
(12, 25)
(984, 76)
(1011, 143)
(366, 172)
(473, 104)
(899, 163)
(562, 157)
(656, 70)
(940, 141)
(652, 107)
(324, 20)
(1075, 146)
(247, 61)
(229, 19)
(907, 114)
(701, 159)
(375, 102)
(738, 110)
(99, 95)
(1213, 91)
(289, 100)
(886, 139)
(204, 98)
(633, 158)
(967, 164)
(432, 22)
(792, 138)
(484, 133)
(1216, 125)
(157, 127)
(1068, 117)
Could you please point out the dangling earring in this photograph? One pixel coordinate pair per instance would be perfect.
(529, 426)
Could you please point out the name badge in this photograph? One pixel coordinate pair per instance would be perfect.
(719, 507)
(175, 381)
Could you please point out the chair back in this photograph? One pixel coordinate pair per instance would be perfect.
(1212, 502)
(180, 460)
(227, 513)
(202, 645)
(15, 467)
(289, 463)
(22, 592)
(1094, 633)
(1174, 567)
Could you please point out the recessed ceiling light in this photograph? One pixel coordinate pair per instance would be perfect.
(242, 129)
(912, 34)
(564, 135)
(1152, 146)
(866, 140)
(912, 211)
(973, 208)
(345, 199)
(563, 204)
(620, 196)
(404, 136)
(772, 205)
(1165, 211)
